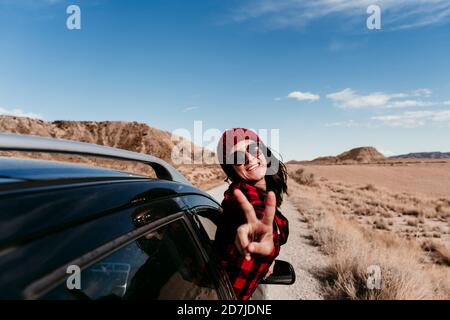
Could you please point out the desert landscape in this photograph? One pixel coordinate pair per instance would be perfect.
(358, 209)
(369, 210)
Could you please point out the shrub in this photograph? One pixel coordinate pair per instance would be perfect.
(381, 224)
(439, 252)
(412, 212)
(369, 187)
(300, 176)
(412, 222)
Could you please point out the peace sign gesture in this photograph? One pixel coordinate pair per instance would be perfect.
(255, 236)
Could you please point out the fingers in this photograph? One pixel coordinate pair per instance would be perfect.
(249, 212)
(263, 248)
(264, 227)
(269, 212)
(242, 240)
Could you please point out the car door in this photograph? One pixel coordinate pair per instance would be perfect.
(205, 216)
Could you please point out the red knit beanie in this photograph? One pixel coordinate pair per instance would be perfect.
(230, 138)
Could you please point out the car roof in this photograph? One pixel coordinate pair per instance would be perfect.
(16, 169)
(29, 194)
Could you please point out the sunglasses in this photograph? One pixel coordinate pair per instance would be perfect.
(240, 157)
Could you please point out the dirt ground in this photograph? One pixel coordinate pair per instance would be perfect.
(362, 214)
(411, 200)
(429, 178)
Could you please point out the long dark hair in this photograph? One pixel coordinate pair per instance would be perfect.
(275, 181)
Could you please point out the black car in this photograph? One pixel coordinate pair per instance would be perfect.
(77, 232)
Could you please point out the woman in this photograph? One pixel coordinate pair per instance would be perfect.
(252, 228)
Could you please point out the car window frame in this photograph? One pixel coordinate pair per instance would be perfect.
(221, 279)
(219, 272)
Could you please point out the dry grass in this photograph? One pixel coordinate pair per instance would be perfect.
(353, 250)
(363, 225)
(429, 178)
(439, 252)
(409, 215)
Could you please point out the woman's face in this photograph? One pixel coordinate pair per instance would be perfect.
(251, 163)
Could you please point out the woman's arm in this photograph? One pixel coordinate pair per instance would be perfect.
(238, 235)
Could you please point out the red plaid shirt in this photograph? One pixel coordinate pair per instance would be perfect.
(245, 275)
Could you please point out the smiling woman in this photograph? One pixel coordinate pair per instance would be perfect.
(249, 164)
(249, 237)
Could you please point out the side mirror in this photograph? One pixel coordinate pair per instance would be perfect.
(283, 273)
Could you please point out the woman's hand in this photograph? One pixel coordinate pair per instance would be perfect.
(256, 236)
(270, 271)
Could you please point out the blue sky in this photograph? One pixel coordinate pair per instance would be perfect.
(311, 69)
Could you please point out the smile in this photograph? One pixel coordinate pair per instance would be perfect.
(253, 167)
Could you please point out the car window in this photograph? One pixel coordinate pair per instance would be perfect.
(209, 226)
(162, 264)
(209, 218)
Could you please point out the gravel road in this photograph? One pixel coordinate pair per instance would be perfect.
(298, 251)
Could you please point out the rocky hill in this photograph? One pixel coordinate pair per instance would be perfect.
(353, 156)
(133, 136)
(424, 155)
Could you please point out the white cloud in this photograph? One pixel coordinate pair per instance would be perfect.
(344, 124)
(351, 124)
(338, 45)
(19, 113)
(350, 99)
(397, 14)
(386, 153)
(414, 119)
(30, 3)
(303, 96)
(408, 104)
(190, 109)
(423, 92)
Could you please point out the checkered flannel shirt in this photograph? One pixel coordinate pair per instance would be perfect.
(245, 275)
